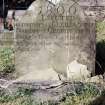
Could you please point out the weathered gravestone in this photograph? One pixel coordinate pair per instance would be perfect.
(49, 37)
(6, 39)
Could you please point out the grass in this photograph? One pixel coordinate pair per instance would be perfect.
(6, 60)
(21, 97)
(25, 97)
(84, 97)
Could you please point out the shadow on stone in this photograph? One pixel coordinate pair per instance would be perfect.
(100, 58)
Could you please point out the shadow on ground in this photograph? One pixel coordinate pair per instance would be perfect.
(100, 100)
(100, 57)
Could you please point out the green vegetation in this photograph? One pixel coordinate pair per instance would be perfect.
(21, 97)
(100, 27)
(83, 96)
(87, 94)
(6, 60)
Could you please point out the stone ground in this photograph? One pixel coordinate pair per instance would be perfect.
(54, 91)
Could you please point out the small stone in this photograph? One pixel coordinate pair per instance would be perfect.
(95, 79)
(77, 71)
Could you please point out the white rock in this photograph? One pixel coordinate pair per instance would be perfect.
(95, 79)
(55, 1)
(77, 71)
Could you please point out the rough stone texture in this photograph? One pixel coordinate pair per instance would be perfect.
(55, 91)
(77, 71)
(48, 74)
(54, 46)
(7, 39)
(96, 79)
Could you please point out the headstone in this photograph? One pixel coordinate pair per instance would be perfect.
(52, 36)
(7, 39)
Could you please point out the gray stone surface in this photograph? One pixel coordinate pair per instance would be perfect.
(7, 39)
(53, 91)
(53, 37)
